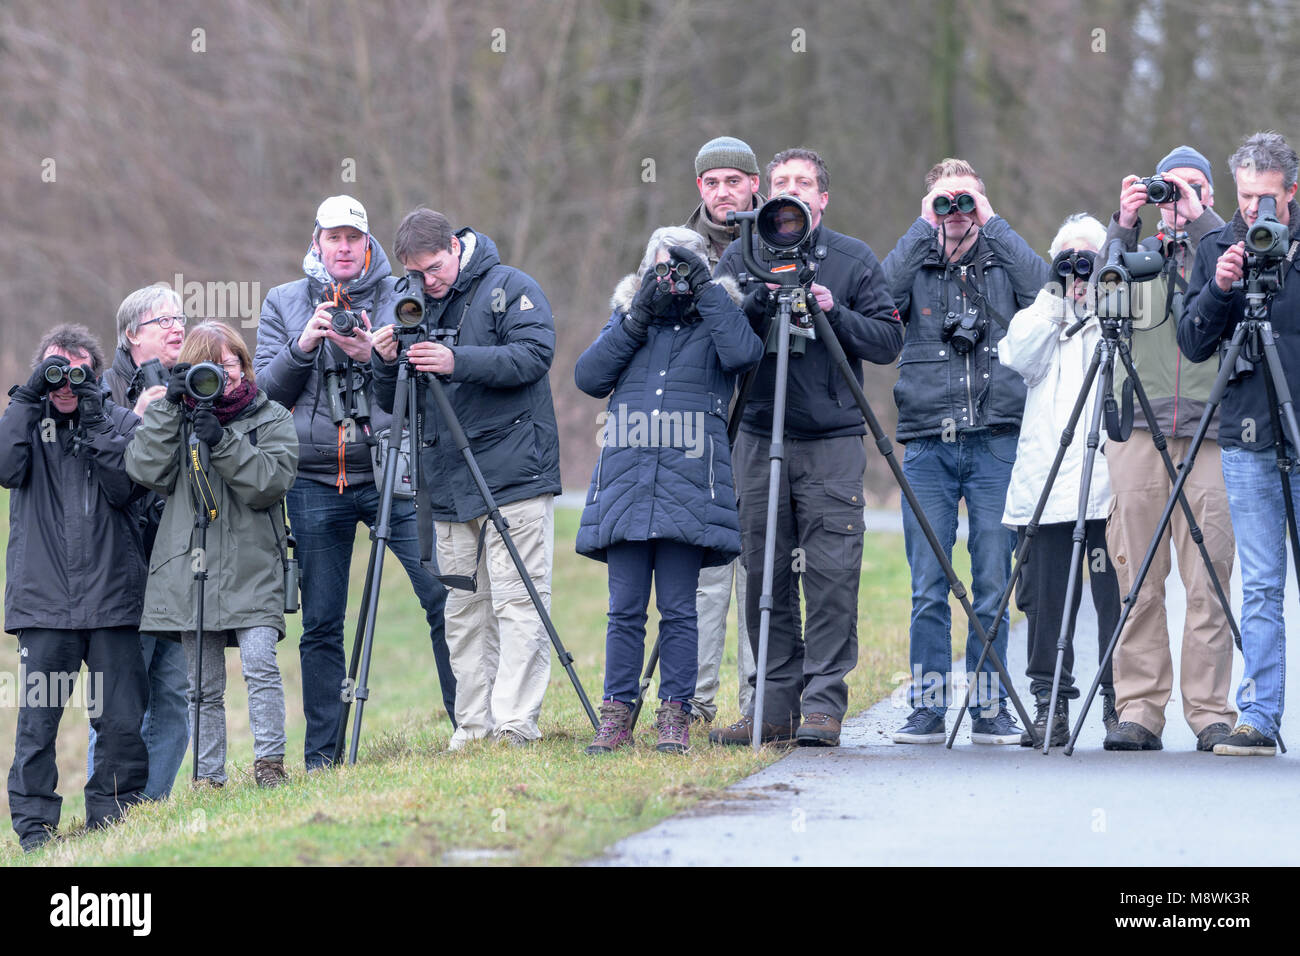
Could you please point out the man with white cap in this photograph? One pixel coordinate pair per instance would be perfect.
(306, 349)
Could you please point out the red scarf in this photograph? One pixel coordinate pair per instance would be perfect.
(227, 407)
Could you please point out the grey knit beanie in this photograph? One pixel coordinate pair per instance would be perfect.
(726, 152)
(1186, 157)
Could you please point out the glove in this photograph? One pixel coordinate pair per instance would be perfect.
(1055, 283)
(638, 317)
(37, 387)
(207, 427)
(90, 400)
(699, 276)
(176, 384)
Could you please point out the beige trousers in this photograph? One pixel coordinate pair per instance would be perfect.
(712, 604)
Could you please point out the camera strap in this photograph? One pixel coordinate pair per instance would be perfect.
(205, 501)
(975, 295)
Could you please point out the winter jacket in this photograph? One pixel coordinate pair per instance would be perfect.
(1176, 387)
(125, 387)
(498, 389)
(717, 236)
(1212, 315)
(249, 478)
(296, 379)
(818, 403)
(664, 471)
(937, 387)
(75, 558)
(1053, 368)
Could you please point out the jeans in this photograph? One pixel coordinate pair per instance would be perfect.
(976, 467)
(325, 525)
(1255, 499)
(676, 570)
(166, 726)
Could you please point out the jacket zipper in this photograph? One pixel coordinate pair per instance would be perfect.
(970, 402)
(600, 463)
(712, 495)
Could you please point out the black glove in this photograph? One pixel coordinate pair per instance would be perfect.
(207, 427)
(37, 387)
(699, 276)
(176, 384)
(1055, 283)
(90, 400)
(638, 317)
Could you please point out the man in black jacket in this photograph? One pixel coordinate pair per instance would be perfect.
(492, 339)
(1264, 165)
(819, 517)
(958, 275)
(74, 585)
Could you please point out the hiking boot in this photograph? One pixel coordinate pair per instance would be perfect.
(34, 841)
(614, 732)
(1109, 716)
(674, 728)
(1060, 722)
(818, 730)
(1133, 736)
(741, 734)
(999, 729)
(269, 772)
(1211, 735)
(1246, 741)
(923, 727)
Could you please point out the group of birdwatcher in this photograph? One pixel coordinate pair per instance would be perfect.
(167, 500)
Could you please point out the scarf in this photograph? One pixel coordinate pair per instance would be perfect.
(228, 407)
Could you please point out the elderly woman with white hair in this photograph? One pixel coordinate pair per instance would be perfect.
(1053, 366)
(662, 503)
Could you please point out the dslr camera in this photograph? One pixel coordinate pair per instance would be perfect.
(205, 382)
(1161, 190)
(345, 321)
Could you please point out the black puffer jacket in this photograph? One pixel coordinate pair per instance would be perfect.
(936, 385)
(75, 557)
(818, 404)
(499, 388)
(1211, 316)
(296, 379)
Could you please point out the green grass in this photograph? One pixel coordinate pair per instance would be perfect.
(407, 801)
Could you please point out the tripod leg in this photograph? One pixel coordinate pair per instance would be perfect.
(346, 692)
(645, 684)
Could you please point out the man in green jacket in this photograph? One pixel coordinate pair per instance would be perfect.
(1178, 390)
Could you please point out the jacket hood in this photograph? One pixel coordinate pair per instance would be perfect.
(376, 270)
(625, 291)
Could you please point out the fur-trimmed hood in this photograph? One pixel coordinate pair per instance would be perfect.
(627, 288)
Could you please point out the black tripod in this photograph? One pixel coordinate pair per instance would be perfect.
(1254, 336)
(793, 301)
(205, 512)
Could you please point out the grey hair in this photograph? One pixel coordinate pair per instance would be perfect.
(1078, 226)
(1265, 152)
(139, 304)
(663, 238)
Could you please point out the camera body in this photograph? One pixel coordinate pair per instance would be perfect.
(964, 330)
(345, 321)
(1161, 190)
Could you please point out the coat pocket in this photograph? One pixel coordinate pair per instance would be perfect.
(508, 455)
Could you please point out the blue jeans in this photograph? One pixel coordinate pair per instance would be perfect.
(1258, 521)
(166, 725)
(325, 525)
(976, 467)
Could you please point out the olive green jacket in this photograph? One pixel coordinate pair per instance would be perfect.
(249, 478)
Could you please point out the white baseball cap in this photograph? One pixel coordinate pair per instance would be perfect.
(342, 211)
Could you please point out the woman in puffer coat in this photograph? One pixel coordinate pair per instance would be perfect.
(253, 450)
(662, 503)
(1053, 366)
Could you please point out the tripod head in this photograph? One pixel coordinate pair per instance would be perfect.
(784, 226)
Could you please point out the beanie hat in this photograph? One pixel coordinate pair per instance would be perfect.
(726, 152)
(1185, 156)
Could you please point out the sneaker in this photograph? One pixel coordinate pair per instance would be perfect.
(34, 841)
(818, 730)
(741, 734)
(614, 732)
(1060, 722)
(999, 729)
(1133, 736)
(674, 728)
(1246, 741)
(270, 772)
(1211, 735)
(1109, 716)
(923, 727)
(512, 738)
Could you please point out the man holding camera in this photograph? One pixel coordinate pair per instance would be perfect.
(313, 355)
(150, 332)
(819, 516)
(958, 275)
(1178, 390)
(726, 174)
(487, 332)
(1264, 167)
(74, 585)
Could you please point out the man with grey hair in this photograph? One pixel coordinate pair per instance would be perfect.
(1264, 167)
(726, 174)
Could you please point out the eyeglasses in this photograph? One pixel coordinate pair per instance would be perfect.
(234, 365)
(166, 321)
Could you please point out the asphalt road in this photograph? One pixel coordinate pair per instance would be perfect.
(873, 802)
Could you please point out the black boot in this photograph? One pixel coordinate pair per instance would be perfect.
(1109, 716)
(1060, 723)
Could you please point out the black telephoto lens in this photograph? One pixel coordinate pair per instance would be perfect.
(205, 382)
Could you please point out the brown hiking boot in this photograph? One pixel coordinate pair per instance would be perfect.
(741, 734)
(819, 730)
(674, 728)
(614, 731)
(269, 773)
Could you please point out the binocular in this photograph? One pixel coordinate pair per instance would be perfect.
(1070, 262)
(74, 375)
(962, 203)
(667, 284)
